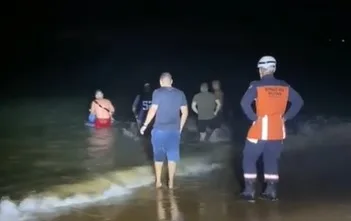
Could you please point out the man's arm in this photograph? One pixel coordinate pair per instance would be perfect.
(111, 108)
(246, 101)
(194, 105)
(135, 103)
(218, 106)
(184, 112)
(296, 104)
(156, 97)
(221, 97)
(92, 108)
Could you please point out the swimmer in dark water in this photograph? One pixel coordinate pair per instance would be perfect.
(103, 110)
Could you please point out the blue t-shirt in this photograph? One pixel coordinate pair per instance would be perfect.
(169, 101)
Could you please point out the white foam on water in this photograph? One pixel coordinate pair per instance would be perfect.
(221, 134)
(108, 188)
(130, 134)
(36, 204)
(132, 131)
(218, 135)
(318, 132)
(301, 133)
(189, 133)
(191, 125)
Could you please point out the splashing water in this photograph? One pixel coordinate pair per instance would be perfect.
(119, 185)
(190, 124)
(318, 132)
(107, 188)
(190, 132)
(301, 133)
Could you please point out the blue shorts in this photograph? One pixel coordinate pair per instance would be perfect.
(165, 143)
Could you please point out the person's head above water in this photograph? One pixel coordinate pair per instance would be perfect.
(147, 87)
(204, 87)
(99, 94)
(266, 65)
(216, 85)
(166, 79)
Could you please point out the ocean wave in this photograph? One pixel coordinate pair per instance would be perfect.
(107, 188)
(301, 133)
(318, 132)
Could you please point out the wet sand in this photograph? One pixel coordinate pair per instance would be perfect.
(310, 189)
(201, 203)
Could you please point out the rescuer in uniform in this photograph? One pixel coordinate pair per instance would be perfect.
(267, 131)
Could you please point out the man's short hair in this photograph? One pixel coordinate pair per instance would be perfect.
(204, 87)
(99, 93)
(166, 75)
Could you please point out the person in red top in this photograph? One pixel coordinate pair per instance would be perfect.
(267, 131)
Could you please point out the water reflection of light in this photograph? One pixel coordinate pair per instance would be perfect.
(224, 208)
(213, 207)
(202, 209)
(167, 206)
(268, 211)
(100, 148)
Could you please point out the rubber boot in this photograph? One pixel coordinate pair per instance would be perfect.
(271, 192)
(249, 192)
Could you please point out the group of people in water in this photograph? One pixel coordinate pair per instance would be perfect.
(167, 125)
(265, 136)
(207, 105)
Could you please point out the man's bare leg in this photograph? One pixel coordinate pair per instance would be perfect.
(158, 173)
(171, 173)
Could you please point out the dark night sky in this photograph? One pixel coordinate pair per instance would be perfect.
(49, 47)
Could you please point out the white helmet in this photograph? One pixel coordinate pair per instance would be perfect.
(267, 62)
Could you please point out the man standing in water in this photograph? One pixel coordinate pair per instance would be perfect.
(141, 104)
(206, 106)
(267, 132)
(167, 101)
(217, 90)
(103, 110)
